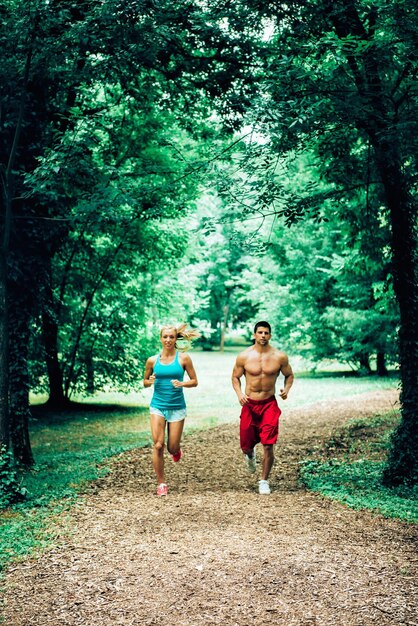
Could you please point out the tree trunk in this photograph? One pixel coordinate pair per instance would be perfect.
(224, 324)
(57, 397)
(7, 194)
(90, 388)
(4, 355)
(19, 398)
(19, 382)
(381, 364)
(402, 464)
(365, 363)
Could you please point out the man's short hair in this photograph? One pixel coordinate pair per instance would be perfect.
(264, 325)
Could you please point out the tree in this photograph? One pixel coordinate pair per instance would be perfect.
(334, 294)
(57, 81)
(339, 74)
(119, 231)
(222, 257)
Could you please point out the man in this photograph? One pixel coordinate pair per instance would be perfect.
(261, 364)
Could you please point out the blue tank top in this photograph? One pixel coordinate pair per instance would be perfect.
(165, 395)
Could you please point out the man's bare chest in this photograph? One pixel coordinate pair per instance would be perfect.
(262, 366)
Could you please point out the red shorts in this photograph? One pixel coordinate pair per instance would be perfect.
(259, 423)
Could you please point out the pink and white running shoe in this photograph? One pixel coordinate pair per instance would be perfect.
(162, 489)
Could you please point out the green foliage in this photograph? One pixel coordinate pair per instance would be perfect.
(99, 103)
(361, 437)
(332, 299)
(25, 531)
(326, 283)
(11, 489)
(359, 486)
(353, 475)
(70, 449)
(122, 234)
(224, 267)
(213, 274)
(341, 83)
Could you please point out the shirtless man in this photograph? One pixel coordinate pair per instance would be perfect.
(261, 364)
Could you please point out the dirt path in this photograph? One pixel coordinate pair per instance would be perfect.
(215, 552)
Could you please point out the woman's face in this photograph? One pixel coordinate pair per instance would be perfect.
(168, 337)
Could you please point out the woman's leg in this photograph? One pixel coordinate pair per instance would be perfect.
(175, 431)
(158, 434)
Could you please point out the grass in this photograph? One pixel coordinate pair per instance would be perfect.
(358, 485)
(71, 448)
(352, 469)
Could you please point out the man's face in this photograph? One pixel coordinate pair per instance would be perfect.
(262, 336)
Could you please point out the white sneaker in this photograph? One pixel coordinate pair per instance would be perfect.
(264, 487)
(251, 462)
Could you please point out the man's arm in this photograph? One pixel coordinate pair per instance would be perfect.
(237, 373)
(287, 372)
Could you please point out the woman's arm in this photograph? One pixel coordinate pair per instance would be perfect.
(187, 364)
(149, 376)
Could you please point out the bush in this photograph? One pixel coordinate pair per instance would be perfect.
(11, 490)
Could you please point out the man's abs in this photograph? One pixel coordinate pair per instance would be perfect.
(260, 388)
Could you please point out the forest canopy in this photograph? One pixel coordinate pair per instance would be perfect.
(212, 163)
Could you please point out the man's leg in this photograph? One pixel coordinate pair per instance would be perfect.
(266, 465)
(268, 460)
(269, 431)
(248, 438)
(246, 435)
(250, 460)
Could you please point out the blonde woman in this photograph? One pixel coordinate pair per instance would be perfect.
(165, 371)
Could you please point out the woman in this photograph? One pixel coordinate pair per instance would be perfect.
(166, 372)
